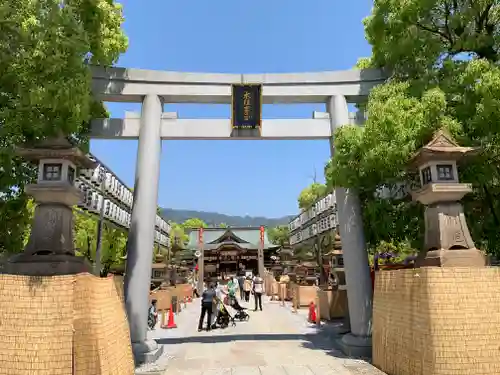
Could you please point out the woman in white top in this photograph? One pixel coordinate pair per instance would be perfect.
(257, 290)
(219, 293)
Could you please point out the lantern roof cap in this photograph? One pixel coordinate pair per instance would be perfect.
(442, 146)
(56, 148)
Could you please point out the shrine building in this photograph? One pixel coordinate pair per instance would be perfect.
(228, 251)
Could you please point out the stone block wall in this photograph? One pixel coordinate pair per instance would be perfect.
(437, 321)
(63, 325)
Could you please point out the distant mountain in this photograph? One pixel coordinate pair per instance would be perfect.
(214, 218)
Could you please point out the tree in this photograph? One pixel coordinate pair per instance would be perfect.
(194, 223)
(15, 215)
(279, 235)
(113, 245)
(442, 60)
(310, 195)
(223, 225)
(85, 235)
(46, 48)
(178, 240)
(412, 38)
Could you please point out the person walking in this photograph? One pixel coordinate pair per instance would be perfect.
(207, 300)
(247, 288)
(195, 288)
(231, 290)
(241, 281)
(258, 289)
(219, 296)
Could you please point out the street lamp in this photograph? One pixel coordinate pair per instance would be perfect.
(101, 180)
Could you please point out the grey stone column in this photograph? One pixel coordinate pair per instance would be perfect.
(142, 229)
(357, 271)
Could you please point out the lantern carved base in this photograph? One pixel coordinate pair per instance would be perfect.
(49, 250)
(452, 258)
(448, 242)
(52, 230)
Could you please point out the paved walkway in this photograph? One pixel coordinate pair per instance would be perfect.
(273, 342)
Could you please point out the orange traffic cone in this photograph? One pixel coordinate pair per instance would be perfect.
(312, 313)
(171, 324)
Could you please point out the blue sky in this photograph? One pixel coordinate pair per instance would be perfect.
(256, 178)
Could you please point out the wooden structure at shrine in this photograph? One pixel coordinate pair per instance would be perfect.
(233, 250)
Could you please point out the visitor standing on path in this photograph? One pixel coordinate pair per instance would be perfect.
(247, 288)
(258, 289)
(231, 290)
(194, 286)
(219, 296)
(207, 300)
(241, 281)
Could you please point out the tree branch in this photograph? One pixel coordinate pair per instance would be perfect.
(447, 11)
(483, 18)
(435, 32)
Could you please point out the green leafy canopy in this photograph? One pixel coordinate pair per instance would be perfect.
(279, 235)
(310, 195)
(46, 48)
(441, 58)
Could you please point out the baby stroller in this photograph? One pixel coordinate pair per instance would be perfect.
(223, 318)
(241, 314)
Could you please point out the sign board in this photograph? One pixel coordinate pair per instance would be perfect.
(248, 257)
(229, 253)
(246, 111)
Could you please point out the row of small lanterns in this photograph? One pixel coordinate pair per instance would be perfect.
(100, 187)
(321, 225)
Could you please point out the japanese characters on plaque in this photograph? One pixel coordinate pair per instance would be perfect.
(229, 257)
(247, 106)
(249, 257)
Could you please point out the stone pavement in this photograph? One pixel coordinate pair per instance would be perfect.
(273, 342)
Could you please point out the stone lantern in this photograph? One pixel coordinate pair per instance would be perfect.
(50, 249)
(337, 264)
(448, 242)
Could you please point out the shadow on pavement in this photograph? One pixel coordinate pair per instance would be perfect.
(230, 337)
(324, 339)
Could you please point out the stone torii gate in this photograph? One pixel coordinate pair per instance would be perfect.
(155, 88)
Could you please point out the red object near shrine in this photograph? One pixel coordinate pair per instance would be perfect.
(196, 268)
(171, 323)
(262, 229)
(312, 313)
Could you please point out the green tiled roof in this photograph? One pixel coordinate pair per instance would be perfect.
(249, 236)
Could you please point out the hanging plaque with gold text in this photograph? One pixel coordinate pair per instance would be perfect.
(246, 106)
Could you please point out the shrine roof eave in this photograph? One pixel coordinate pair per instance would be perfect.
(245, 246)
(427, 154)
